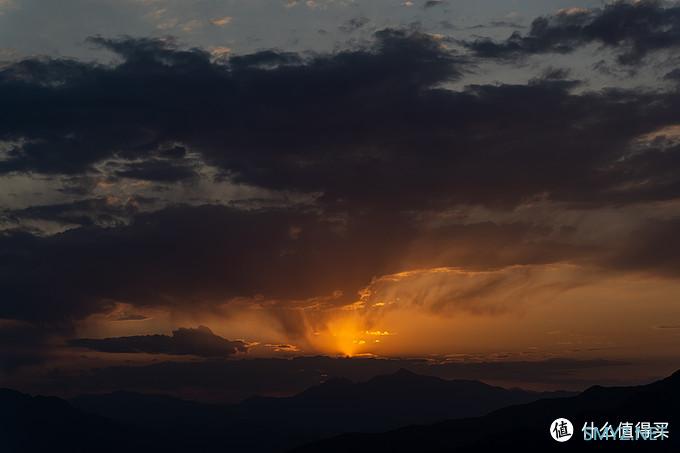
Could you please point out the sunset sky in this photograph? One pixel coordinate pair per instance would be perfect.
(488, 188)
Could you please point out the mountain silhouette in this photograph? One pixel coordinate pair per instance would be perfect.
(258, 424)
(313, 420)
(526, 427)
(390, 401)
(337, 405)
(48, 424)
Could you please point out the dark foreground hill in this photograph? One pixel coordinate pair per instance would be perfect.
(48, 424)
(526, 428)
(139, 422)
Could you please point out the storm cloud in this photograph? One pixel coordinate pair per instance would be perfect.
(200, 341)
(370, 127)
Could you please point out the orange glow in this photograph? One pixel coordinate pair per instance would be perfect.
(528, 312)
(345, 336)
(346, 332)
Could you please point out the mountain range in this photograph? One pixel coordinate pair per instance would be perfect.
(526, 427)
(400, 412)
(260, 424)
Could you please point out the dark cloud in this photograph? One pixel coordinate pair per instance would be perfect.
(487, 245)
(354, 24)
(498, 24)
(505, 23)
(183, 257)
(88, 212)
(673, 75)
(381, 141)
(266, 59)
(651, 248)
(184, 341)
(159, 93)
(552, 73)
(632, 29)
(125, 316)
(25, 345)
(375, 131)
(432, 3)
(157, 170)
(188, 257)
(371, 128)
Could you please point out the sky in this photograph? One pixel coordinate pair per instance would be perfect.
(237, 189)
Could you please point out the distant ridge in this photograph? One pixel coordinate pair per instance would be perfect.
(259, 424)
(525, 428)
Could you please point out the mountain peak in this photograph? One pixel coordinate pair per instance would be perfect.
(404, 377)
(331, 387)
(403, 372)
(673, 378)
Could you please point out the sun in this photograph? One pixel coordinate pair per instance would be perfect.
(345, 336)
(348, 334)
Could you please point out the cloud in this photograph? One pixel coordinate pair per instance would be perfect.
(130, 317)
(373, 135)
(86, 212)
(450, 290)
(200, 341)
(157, 170)
(498, 24)
(371, 127)
(188, 257)
(197, 258)
(651, 248)
(632, 29)
(283, 347)
(354, 24)
(221, 21)
(24, 344)
(200, 257)
(432, 3)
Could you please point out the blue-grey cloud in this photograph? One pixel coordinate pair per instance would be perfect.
(632, 29)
